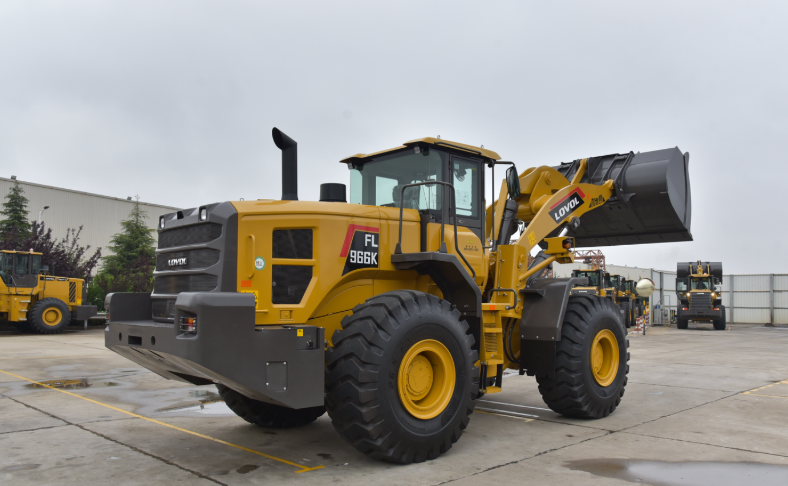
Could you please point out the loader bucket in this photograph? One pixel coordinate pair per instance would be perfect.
(685, 269)
(651, 202)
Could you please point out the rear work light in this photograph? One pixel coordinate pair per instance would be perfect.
(188, 324)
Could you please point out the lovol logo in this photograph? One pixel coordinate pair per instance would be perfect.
(177, 262)
(360, 248)
(567, 205)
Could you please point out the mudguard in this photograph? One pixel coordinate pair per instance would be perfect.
(544, 307)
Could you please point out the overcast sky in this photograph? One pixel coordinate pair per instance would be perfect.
(174, 100)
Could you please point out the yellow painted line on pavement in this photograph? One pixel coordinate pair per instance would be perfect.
(197, 434)
(751, 392)
(64, 356)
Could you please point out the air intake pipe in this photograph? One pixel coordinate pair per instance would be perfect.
(289, 149)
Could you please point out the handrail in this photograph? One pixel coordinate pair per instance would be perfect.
(398, 248)
(508, 307)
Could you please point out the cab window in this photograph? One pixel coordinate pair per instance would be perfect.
(35, 266)
(465, 178)
(701, 284)
(681, 285)
(379, 182)
(22, 264)
(593, 278)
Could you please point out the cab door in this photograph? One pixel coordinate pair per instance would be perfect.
(21, 273)
(467, 177)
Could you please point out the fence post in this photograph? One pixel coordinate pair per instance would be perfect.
(771, 301)
(731, 277)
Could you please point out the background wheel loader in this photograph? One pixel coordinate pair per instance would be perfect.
(395, 311)
(698, 294)
(34, 301)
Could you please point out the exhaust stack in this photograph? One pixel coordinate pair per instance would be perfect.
(289, 148)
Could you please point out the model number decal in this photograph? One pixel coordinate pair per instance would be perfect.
(360, 248)
(567, 205)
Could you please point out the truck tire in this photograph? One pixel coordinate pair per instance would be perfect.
(48, 316)
(627, 314)
(682, 323)
(268, 415)
(722, 323)
(400, 379)
(591, 361)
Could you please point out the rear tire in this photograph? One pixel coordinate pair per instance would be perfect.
(682, 323)
(48, 316)
(627, 314)
(584, 387)
(375, 410)
(722, 323)
(268, 415)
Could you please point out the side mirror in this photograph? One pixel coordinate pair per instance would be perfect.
(513, 182)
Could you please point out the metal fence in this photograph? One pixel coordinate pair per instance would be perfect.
(754, 299)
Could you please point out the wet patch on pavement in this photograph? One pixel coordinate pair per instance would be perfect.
(659, 473)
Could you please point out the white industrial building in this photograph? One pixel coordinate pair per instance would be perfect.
(756, 299)
(99, 216)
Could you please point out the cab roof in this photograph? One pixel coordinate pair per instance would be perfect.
(21, 252)
(437, 142)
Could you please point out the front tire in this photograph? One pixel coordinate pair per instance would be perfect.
(400, 379)
(591, 361)
(721, 324)
(268, 415)
(682, 323)
(49, 316)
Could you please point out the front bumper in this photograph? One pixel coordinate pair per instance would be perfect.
(700, 314)
(283, 365)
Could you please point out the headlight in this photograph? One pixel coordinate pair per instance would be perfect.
(203, 214)
(161, 222)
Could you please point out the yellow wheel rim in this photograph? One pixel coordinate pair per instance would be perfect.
(426, 379)
(52, 316)
(604, 357)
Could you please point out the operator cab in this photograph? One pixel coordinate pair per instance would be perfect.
(378, 179)
(19, 268)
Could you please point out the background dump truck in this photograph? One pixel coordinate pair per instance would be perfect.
(37, 302)
(698, 294)
(395, 311)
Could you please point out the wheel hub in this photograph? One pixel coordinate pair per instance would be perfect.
(52, 316)
(604, 357)
(426, 379)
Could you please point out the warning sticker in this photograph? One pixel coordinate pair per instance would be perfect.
(256, 299)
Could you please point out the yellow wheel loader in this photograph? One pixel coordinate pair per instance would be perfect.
(395, 311)
(699, 295)
(37, 302)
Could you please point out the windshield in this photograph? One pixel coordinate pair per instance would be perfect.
(681, 285)
(379, 182)
(591, 275)
(701, 283)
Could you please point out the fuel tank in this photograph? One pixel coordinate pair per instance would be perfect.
(651, 201)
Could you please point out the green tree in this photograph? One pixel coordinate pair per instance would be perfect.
(130, 266)
(14, 225)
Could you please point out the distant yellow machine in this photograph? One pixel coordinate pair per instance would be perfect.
(34, 301)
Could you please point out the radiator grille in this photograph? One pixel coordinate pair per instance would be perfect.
(289, 283)
(202, 258)
(174, 284)
(700, 300)
(190, 235)
(292, 243)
